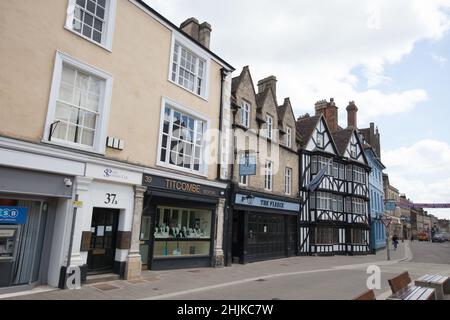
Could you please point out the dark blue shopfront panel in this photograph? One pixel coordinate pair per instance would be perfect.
(13, 215)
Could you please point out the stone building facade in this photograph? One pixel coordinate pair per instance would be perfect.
(265, 203)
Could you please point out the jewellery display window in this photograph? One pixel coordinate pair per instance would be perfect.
(182, 232)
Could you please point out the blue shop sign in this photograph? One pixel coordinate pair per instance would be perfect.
(247, 200)
(391, 205)
(13, 215)
(247, 165)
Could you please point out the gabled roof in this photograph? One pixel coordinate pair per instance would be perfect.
(282, 110)
(305, 128)
(236, 81)
(368, 147)
(342, 138)
(262, 97)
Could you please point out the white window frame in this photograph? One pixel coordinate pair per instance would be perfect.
(269, 126)
(288, 181)
(188, 111)
(99, 145)
(182, 41)
(320, 140)
(243, 180)
(110, 18)
(268, 176)
(353, 150)
(289, 137)
(245, 114)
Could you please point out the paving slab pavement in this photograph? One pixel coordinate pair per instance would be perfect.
(178, 283)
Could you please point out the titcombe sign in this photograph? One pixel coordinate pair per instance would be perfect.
(181, 186)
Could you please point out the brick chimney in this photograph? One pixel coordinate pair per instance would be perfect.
(268, 82)
(352, 111)
(329, 111)
(199, 32)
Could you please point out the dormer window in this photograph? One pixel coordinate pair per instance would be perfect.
(269, 124)
(245, 114)
(289, 137)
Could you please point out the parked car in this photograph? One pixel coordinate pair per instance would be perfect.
(439, 237)
(423, 236)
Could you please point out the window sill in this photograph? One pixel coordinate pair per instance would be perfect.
(191, 92)
(109, 49)
(72, 146)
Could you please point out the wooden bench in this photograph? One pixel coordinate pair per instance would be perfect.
(441, 284)
(401, 290)
(369, 295)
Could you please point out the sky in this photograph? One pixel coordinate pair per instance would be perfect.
(391, 57)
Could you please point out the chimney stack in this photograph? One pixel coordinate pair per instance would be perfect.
(191, 27)
(268, 82)
(352, 111)
(329, 111)
(204, 34)
(199, 32)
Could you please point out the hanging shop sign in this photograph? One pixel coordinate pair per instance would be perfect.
(13, 215)
(249, 200)
(181, 186)
(247, 165)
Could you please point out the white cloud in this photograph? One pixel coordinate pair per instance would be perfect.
(314, 47)
(422, 172)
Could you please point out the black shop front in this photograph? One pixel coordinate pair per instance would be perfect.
(178, 227)
(264, 227)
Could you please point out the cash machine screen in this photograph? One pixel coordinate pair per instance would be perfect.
(7, 243)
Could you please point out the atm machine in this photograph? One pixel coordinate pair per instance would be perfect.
(9, 235)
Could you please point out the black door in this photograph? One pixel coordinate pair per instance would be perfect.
(291, 235)
(103, 240)
(266, 236)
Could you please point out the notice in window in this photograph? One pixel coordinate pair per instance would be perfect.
(100, 231)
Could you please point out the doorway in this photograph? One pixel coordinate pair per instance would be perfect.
(102, 248)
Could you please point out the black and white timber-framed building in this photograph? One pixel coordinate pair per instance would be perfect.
(334, 219)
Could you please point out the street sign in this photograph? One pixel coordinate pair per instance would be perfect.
(386, 221)
(247, 165)
(390, 205)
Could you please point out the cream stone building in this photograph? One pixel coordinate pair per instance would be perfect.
(265, 195)
(111, 131)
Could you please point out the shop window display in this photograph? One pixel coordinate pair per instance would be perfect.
(182, 232)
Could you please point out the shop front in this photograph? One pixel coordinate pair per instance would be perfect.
(31, 203)
(264, 227)
(104, 219)
(181, 224)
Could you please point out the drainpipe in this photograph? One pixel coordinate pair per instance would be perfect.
(223, 75)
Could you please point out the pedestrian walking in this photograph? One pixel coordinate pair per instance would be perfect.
(395, 241)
